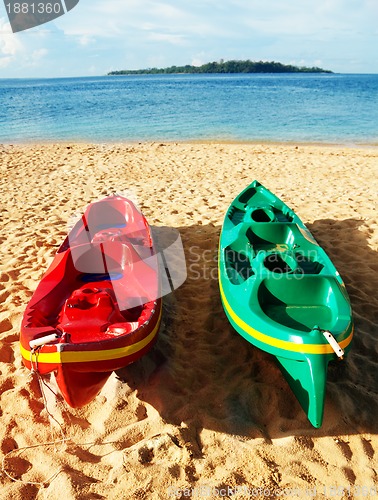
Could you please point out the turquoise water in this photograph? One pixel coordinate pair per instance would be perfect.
(269, 107)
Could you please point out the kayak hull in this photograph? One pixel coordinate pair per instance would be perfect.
(281, 292)
(97, 308)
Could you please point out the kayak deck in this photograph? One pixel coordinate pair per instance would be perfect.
(98, 307)
(281, 292)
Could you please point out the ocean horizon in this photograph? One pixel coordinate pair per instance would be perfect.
(315, 108)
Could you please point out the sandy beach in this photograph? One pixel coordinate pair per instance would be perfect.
(204, 414)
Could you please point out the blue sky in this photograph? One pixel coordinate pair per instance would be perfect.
(98, 36)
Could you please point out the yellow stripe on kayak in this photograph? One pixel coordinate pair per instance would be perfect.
(86, 356)
(280, 344)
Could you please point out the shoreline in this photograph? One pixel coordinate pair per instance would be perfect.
(233, 142)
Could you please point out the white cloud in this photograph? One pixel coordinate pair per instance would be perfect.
(38, 54)
(10, 45)
(127, 18)
(167, 11)
(86, 40)
(141, 33)
(198, 60)
(166, 37)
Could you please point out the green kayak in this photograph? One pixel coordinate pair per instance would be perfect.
(282, 293)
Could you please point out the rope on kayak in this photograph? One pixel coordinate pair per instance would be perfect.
(52, 443)
(64, 440)
(42, 383)
(21, 450)
(51, 416)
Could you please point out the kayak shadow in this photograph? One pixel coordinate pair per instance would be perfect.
(353, 384)
(202, 375)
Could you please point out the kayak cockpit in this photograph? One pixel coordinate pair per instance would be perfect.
(301, 302)
(98, 292)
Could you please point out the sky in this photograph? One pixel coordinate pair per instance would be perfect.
(98, 36)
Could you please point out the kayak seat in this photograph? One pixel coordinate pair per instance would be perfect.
(107, 216)
(87, 313)
(111, 257)
(299, 303)
(268, 236)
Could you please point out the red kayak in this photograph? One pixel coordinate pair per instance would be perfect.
(97, 308)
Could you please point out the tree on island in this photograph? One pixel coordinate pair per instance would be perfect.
(232, 66)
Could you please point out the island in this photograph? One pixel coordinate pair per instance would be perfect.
(222, 66)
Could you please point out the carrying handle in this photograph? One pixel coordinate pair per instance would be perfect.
(43, 340)
(333, 343)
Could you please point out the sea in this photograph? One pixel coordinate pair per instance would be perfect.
(316, 108)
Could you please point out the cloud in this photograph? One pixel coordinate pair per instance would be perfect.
(86, 40)
(199, 59)
(10, 45)
(37, 55)
(167, 37)
(124, 18)
(143, 33)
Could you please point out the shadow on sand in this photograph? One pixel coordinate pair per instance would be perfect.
(203, 374)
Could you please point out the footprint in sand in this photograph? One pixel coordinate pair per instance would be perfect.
(5, 324)
(6, 354)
